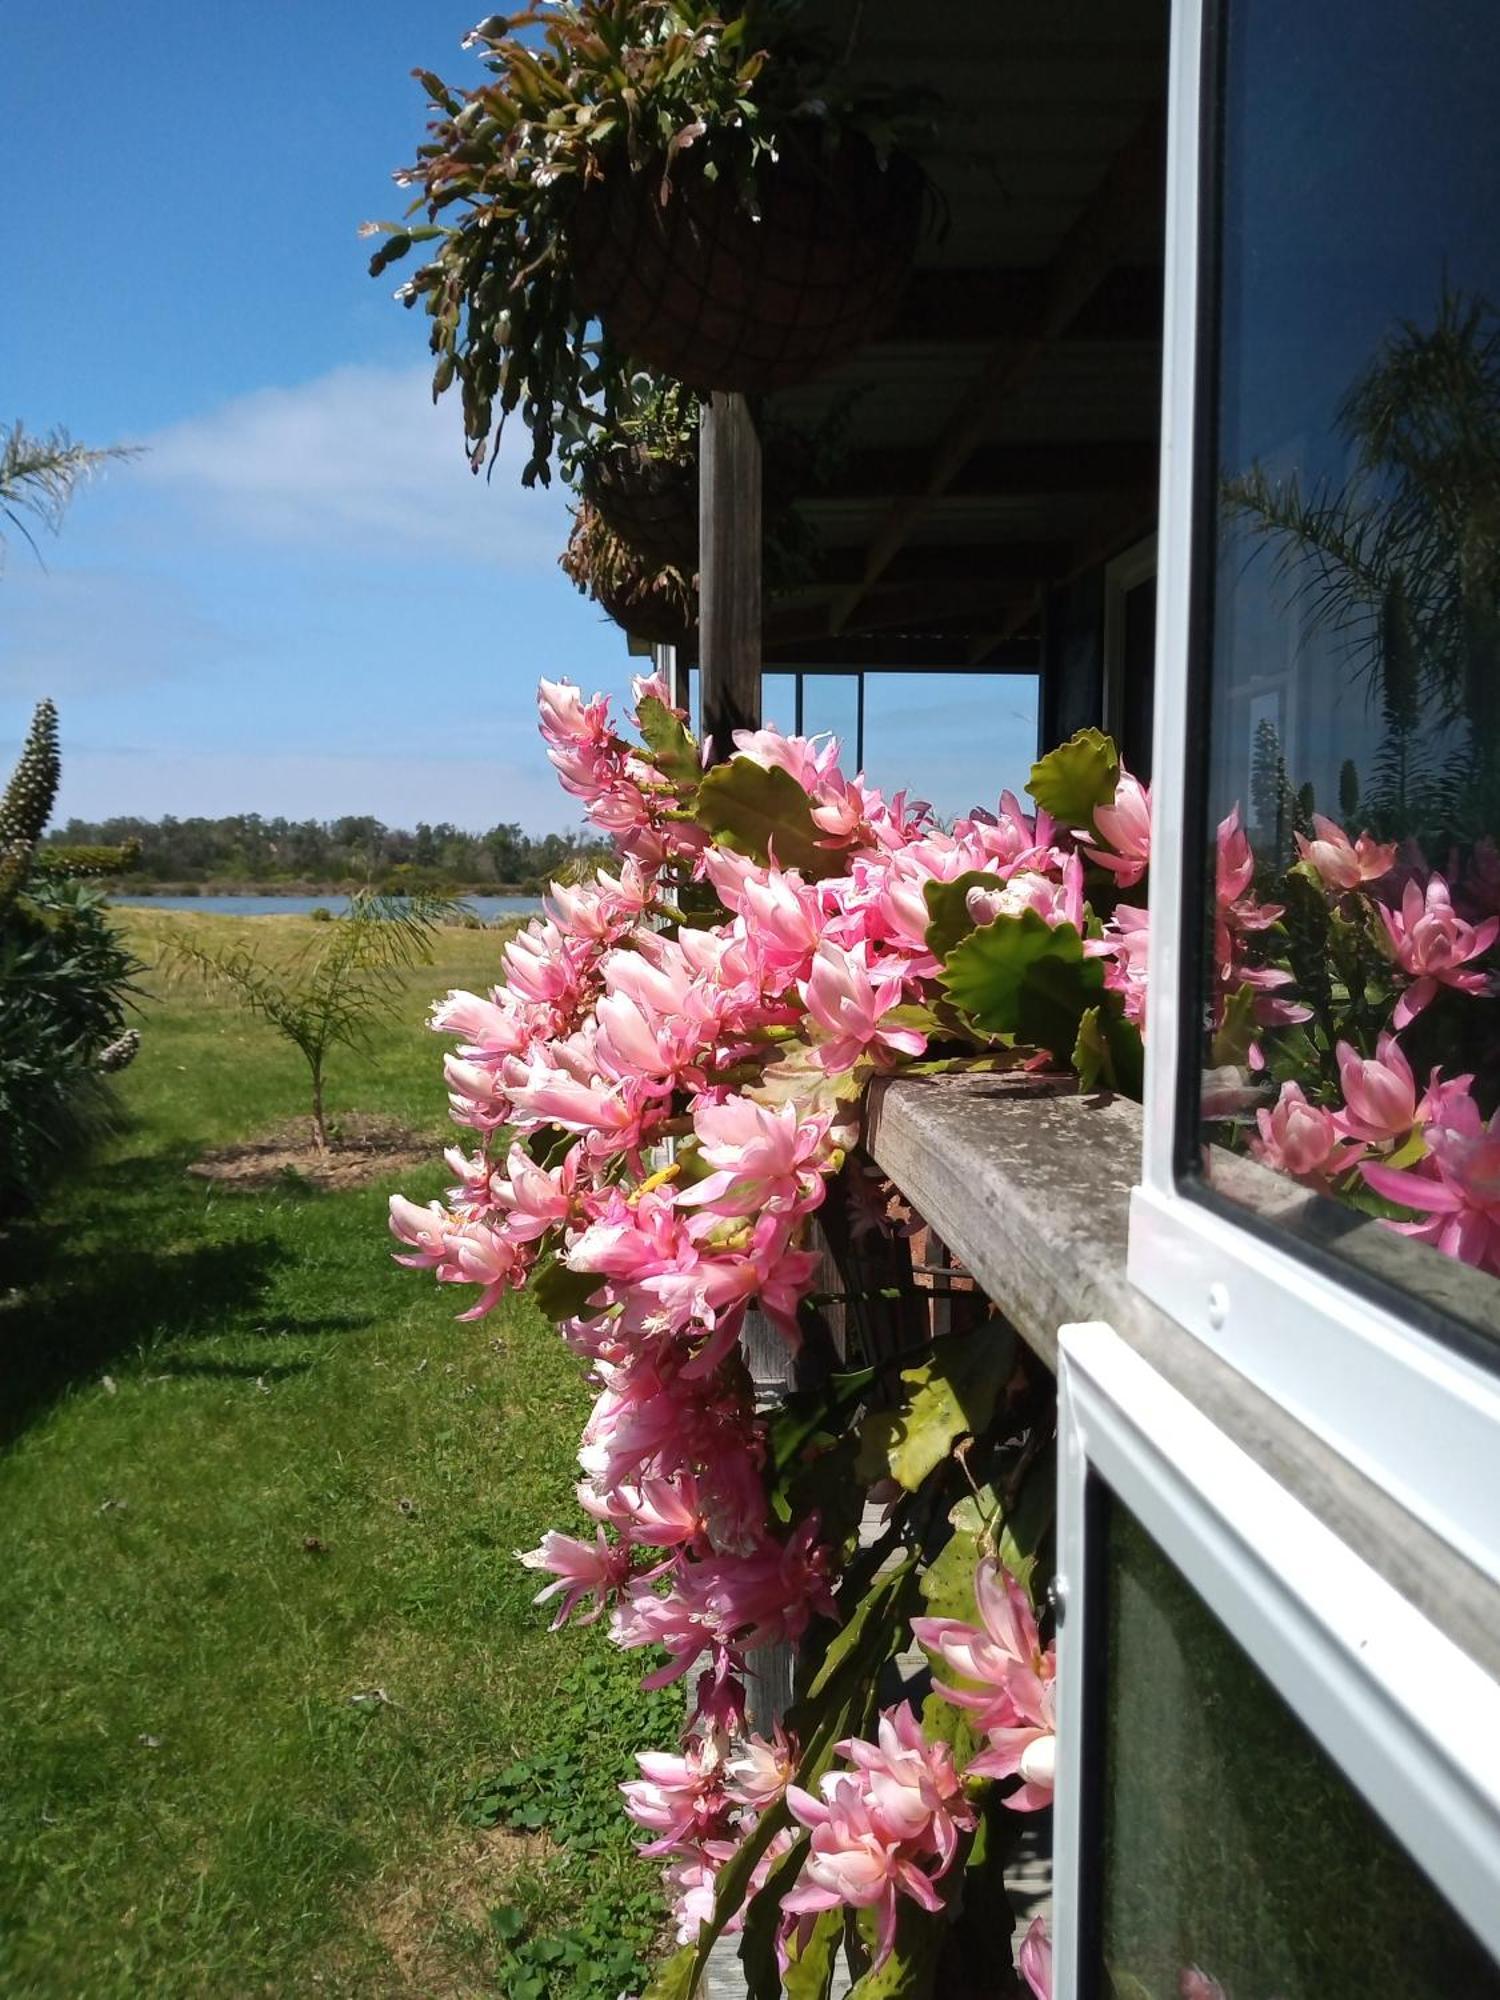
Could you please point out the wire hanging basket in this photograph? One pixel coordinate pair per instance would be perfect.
(699, 288)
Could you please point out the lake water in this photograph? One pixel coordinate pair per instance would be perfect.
(487, 908)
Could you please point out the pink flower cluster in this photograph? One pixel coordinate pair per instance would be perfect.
(890, 1827)
(742, 1044)
(1010, 1685)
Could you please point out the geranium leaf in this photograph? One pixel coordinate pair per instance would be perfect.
(1029, 980)
(948, 910)
(1024, 977)
(951, 1396)
(765, 814)
(673, 751)
(559, 1293)
(1073, 780)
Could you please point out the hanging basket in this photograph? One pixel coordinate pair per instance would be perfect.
(658, 603)
(650, 502)
(702, 290)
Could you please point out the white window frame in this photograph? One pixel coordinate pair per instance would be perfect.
(1416, 1416)
(1409, 1718)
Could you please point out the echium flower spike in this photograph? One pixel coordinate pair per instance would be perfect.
(26, 804)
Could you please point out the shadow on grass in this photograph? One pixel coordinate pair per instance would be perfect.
(70, 1313)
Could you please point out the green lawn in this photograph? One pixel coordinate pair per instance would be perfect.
(264, 1639)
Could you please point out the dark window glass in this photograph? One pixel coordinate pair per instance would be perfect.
(1352, 845)
(1233, 1849)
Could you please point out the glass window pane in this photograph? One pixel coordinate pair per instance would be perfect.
(1232, 1846)
(956, 740)
(1352, 902)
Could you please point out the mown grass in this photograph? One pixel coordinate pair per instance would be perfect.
(264, 1639)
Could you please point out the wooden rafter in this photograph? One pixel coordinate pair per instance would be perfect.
(1088, 253)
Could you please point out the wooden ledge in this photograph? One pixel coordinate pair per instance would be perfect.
(1029, 1185)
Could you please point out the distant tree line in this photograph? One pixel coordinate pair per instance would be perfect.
(245, 848)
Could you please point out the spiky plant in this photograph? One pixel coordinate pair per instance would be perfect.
(26, 803)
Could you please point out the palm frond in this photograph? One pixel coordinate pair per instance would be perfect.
(39, 475)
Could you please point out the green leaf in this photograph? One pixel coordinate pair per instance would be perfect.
(673, 750)
(948, 1580)
(1073, 780)
(1236, 1031)
(818, 1720)
(910, 1971)
(559, 1293)
(951, 1396)
(758, 1958)
(677, 1979)
(765, 814)
(1023, 977)
(1027, 1523)
(948, 910)
(1029, 980)
(809, 1976)
(1091, 1050)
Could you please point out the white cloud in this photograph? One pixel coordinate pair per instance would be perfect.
(358, 460)
(474, 792)
(71, 632)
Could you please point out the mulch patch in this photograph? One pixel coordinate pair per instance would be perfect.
(361, 1148)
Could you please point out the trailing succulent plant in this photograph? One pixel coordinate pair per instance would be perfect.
(657, 601)
(656, 89)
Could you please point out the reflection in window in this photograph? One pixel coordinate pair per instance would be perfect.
(1353, 1017)
(1238, 1863)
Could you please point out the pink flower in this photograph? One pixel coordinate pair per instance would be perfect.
(1380, 1093)
(760, 1769)
(679, 1799)
(1301, 1139)
(1026, 1748)
(987, 1657)
(1456, 1187)
(1035, 1959)
(1433, 944)
(582, 1571)
(487, 1029)
(1125, 827)
(911, 1785)
(854, 1860)
(763, 1159)
(1342, 863)
(427, 1230)
(535, 1199)
(1195, 1984)
(849, 1003)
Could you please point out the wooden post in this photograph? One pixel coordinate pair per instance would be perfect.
(729, 612)
(729, 607)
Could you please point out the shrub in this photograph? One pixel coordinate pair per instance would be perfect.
(65, 976)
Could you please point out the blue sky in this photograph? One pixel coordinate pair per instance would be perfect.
(298, 599)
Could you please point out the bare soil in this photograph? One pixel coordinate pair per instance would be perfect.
(361, 1148)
